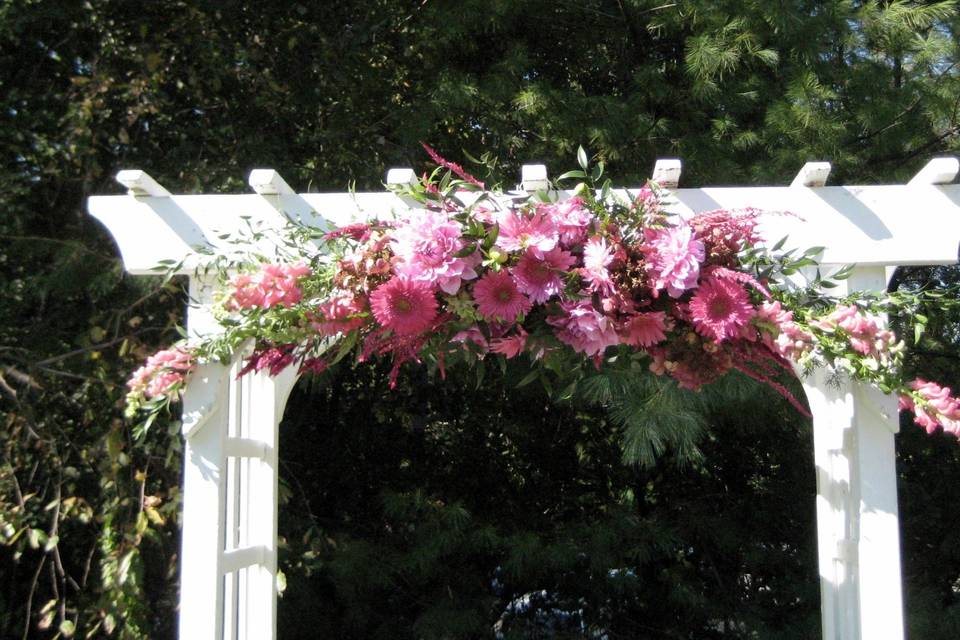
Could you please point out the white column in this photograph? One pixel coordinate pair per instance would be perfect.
(857, 522)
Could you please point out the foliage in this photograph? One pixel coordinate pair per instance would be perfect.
(198, 93)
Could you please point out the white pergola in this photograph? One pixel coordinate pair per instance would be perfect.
(229, 553)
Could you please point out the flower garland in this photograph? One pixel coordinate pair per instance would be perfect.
(475, 275)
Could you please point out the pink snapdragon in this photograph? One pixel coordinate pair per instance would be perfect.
(426, 245)
(584, 328)
(673, 259)
(163, 373)
(933, 406)
(538, 274)
(864, 332)
(273, 286)
(521, 230)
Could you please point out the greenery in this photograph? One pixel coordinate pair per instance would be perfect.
(427, 512)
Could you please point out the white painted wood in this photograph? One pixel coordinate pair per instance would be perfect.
(401, 175)
(533, 178)
(666, 172)
(813, 174)
(140, 184)
(857, 522)
(937, 171)
(230, 426)
(268, 182)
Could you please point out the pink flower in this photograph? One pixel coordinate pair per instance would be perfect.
(673, 258)
(404, 306)
(162, 373)
(573, 220)
(498, 297)
(720, 308)
(471, 334)
(163, 383)
(933, 406)
(539, 276)
(426, 247)
(510, 346)
(275, 285)
(275, 359)
(596, 256)
(584, 328)
(340, 314)
(520, 230)
(644, 329)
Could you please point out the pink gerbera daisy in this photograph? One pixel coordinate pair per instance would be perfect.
(497, 296)
(522, 230)
(644, 329)
(539, 276)
(404, 306)
(720, 308)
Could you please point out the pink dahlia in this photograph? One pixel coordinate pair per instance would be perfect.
(426, 247)
(720, 309)
(521, 230)
(673, 258)
(644, 329)
(498, 297)
(404, 306)
(597, 255)
(584, 328)
(573, 220)
(540, 276)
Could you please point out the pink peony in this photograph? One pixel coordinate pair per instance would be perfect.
(644, 329)
(673, 259)
(498, 297)
(404, 306)
(584, 328)
(426, 247)
(720, 309)
(597, 255)
(540, 276)
(521, 230)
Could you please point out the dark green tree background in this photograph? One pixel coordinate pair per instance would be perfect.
(439, 510)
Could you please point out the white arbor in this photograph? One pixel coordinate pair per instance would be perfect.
(229, 556)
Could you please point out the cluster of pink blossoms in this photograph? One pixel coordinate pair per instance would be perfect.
(163, 374)
(274, 285)
(549, 279)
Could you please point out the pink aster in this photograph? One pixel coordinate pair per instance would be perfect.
(597, 255)
(404, 306)
(720, 308)
(584, 328)
(644, 329)
(521, 230)
(540, 276)
(426, 247)
(498, 297)
(673, 258)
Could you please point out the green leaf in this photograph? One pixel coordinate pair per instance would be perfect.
(581, 175)
(582, 158)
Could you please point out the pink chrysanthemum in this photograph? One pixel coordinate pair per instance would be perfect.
(498, 297)
(426, 247)
(720, 308)
(521, 230)
(597, 255)
(644, 329)
(673, 259)
(584, 328)
(539, 276)
(404, 306)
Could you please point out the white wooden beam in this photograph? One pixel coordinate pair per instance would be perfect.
(533, 177)
(666, 172)
(813, 174)
(245, 448)
(140, 184)
(268, 182)
(237, 559)
(401, 175)
(937, 171)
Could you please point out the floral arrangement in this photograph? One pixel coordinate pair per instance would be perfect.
(475, 276)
